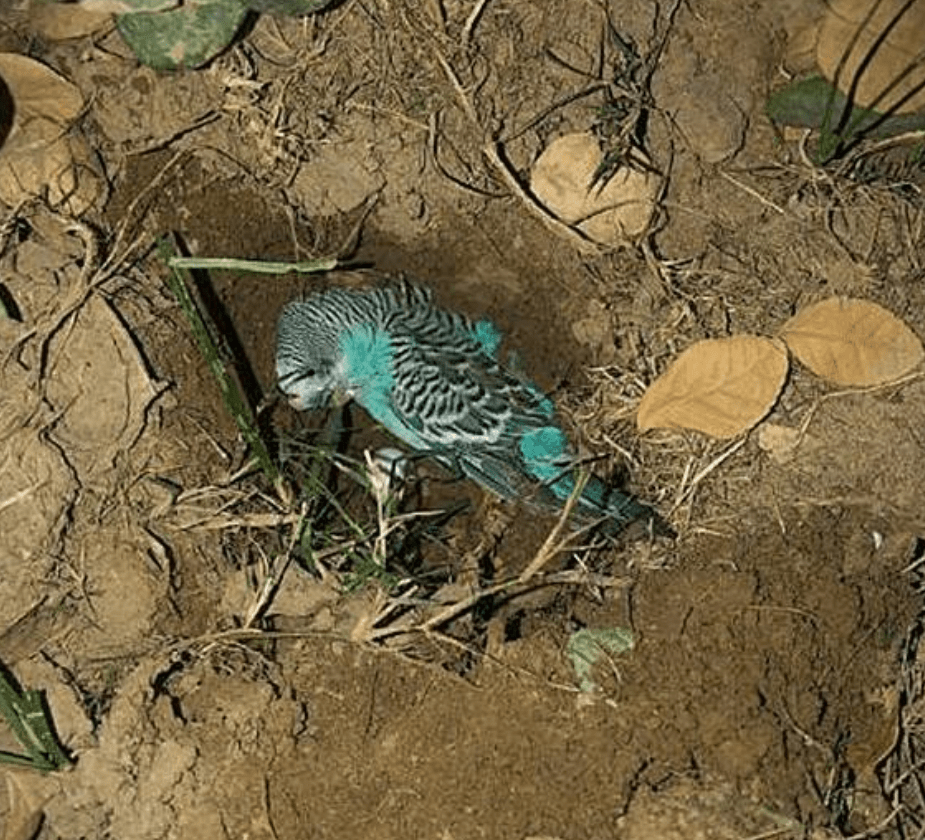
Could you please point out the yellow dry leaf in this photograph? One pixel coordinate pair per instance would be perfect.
(62, 21)
(612, 212)
(64, 170)
(852, 342)
(873, 49)
(41, 155)
(38, 92)
(721, 387)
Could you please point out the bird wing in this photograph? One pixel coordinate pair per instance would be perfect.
(450, 397)
(453, 399)
(457, 397)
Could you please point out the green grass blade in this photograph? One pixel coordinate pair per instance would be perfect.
(254, 266)
(231, 394)
(30, 721)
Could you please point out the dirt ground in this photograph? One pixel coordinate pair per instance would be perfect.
(772, 688)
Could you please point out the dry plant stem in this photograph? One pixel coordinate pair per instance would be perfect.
(576, 578)
(774, 832)
(472, 20)
(819, 175)
(880, 828)
(216, 522)
(552, 545)
(115, 258)
(915, 563)
(16, 498)
(804, 155)
(254, 266)
(661, 270)
(275, 574)
(383, 607)
(379, 484)
(754, 193)
(911, 772)
(684, 493)
(908, 137)
(447, 614)
(387, 524)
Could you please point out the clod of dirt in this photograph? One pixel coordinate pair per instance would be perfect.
(610, 213)
(683, 809)
(25, 815)
(99, 384)
(711, 119)
(191, 764)
(780, 442)
(37, 487)
(327, 189)
(878, 47)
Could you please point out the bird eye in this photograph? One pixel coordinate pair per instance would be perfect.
(310, 372)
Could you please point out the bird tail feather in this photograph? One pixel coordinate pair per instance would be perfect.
(617, 510)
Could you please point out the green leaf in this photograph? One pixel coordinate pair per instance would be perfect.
(28, 716)
(182, 38)
(814, 103)
(587, 646)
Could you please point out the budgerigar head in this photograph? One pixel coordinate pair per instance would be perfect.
(307, 355)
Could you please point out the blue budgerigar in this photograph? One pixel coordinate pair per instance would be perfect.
(433, 379)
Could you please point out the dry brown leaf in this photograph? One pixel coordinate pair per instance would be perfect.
(39, 92)
(40, 156)
(721, 387)
(62, 21)
(611, 213)
(64, 170)
(852, 342)
(874, 47)
(98, 383)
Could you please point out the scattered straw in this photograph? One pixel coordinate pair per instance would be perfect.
(686, 490)
(472, 20)
(493, 151)
(275, 573)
